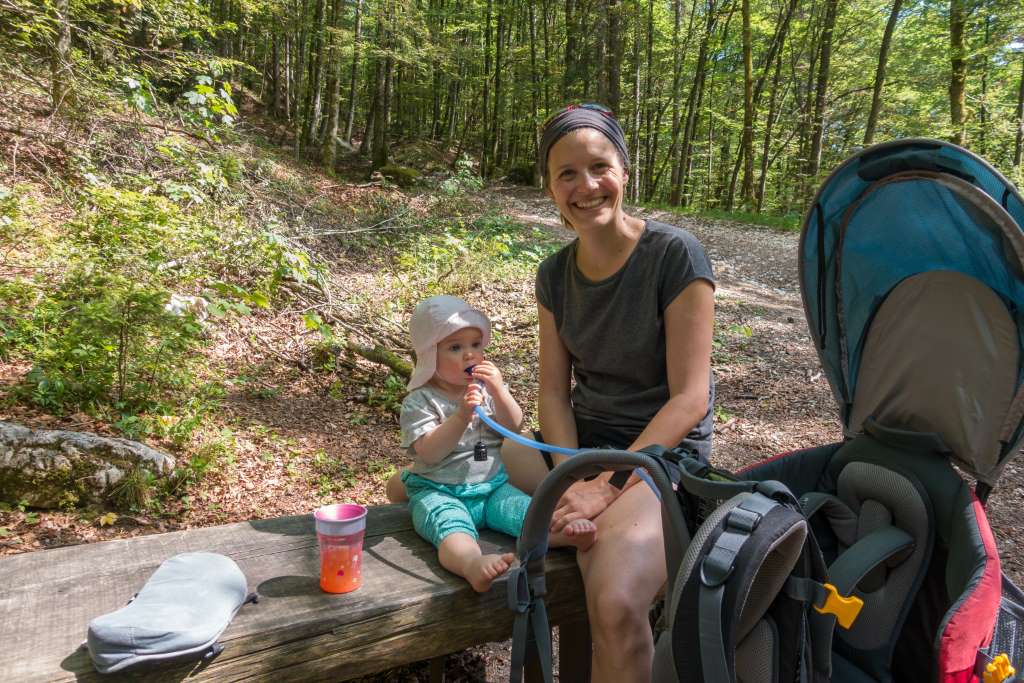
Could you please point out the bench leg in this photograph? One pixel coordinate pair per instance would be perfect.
(437, 669)
(574, 651)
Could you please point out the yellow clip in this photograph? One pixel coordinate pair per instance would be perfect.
(998, 670)
(844, 609)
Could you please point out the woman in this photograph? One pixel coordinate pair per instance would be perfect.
(626, 310)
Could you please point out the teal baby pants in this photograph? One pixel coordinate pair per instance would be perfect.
(442, 509)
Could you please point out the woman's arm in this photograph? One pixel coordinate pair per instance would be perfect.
(689, 323)
(557, 422)
(689, 328)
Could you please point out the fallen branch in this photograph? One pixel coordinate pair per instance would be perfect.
(381, 356)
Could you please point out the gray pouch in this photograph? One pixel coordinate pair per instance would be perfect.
(179, 614)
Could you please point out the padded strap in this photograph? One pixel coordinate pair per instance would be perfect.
(867, 554)
(840, 517)
(530, 630)
(715, 570)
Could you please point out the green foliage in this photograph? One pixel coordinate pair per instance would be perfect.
(134, 490)
(464, 179)
(453, 255)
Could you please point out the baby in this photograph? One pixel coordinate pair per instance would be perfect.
(457, 483)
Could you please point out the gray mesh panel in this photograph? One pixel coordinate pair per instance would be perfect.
(693, 552)
(772, 573)
(865, 488)
(756, 654)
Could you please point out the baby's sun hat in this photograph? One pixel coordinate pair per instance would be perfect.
(434, 319)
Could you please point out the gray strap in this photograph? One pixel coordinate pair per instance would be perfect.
(715, 570)
(531, 630)
(866, 554)
(840, 517)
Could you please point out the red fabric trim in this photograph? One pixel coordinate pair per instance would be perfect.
(965, 676)
(970, 629)
(764, 462)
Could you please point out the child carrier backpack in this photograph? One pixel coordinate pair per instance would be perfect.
(912, 276)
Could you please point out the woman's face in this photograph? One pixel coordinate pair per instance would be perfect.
(586, 179)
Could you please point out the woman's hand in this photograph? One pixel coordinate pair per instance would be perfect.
(583, 500)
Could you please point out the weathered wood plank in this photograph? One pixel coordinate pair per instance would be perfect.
(408, 609)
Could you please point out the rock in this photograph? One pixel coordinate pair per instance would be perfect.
(48, 467)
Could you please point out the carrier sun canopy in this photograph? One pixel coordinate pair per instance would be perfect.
(909, 216)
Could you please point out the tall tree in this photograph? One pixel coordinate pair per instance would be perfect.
(60, 56)
(883, 58)
(356, 31)
(958, 13)
(1019, 143)
(821, 89)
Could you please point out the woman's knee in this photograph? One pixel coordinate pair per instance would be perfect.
(619, 618)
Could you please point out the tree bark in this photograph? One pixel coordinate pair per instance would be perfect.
(821, 90)
(613, 55)
(958, 70)
(1019, 144)
(60, 57)
(330, 142)
(747, 143)
(883, 56)
(354, 72)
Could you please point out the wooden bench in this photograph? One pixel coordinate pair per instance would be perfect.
(408, 608)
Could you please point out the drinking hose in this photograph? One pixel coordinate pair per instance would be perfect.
(509, 434)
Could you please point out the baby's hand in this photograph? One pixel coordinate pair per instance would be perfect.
(488, 373)
(473, 397)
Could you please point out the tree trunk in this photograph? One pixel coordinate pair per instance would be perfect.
(958, 70)
(696, 91)
(769, 123)
(1018, 148)
(613, 55)
(883, 56)
(747, 143)
(821, 90)
(534, 94)
(311, 108)
(569, 75)
(330, 142)
(60, 62)
(496, 111)
(354, 72)
(485, 161)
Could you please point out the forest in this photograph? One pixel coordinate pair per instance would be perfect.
(727, 104)
(217, 215)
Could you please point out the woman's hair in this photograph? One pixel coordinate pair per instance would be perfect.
(575, 116)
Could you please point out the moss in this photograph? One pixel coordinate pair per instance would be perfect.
(403, 176)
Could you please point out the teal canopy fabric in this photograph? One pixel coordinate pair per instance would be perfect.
(892, 211)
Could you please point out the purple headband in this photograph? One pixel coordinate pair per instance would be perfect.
(577, 116)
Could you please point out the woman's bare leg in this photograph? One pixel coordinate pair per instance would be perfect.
(526, 467)
(623, 573)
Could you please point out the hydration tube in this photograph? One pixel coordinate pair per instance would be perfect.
(509, 434)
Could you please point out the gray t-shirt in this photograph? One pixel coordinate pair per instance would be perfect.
(423, 411)
(614, 329)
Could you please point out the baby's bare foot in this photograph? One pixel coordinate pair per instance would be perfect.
(482, 572)
(582, 533)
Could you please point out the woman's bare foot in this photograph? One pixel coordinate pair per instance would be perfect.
(582, 533)
(483, 570)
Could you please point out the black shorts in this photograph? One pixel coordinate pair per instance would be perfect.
(594, 434)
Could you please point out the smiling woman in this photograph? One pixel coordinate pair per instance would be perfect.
(626, 315)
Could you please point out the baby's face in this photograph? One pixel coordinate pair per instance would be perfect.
(456, 352)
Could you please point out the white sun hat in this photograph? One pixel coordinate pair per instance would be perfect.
(434, 319)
